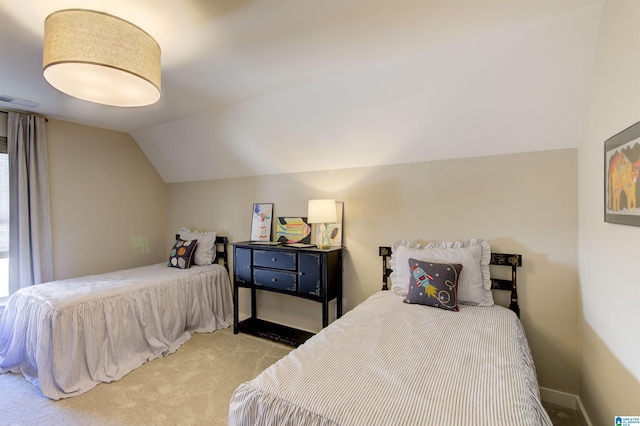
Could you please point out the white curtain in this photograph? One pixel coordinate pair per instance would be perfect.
(4, 198)
(30, 260)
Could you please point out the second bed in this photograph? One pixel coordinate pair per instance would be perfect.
(394, 361)
(67, 336)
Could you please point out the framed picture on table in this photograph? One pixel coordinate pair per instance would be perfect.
(261, 220)
(290, 230)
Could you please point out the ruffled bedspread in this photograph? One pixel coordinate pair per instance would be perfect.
(390, 363)
(67, 336)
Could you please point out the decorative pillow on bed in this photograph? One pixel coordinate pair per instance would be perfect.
(474, 287)
(182, 254)
(434, 284)
(206, 250)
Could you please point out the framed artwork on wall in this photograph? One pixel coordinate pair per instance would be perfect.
(261, 222)
(334, 229)
(621, 177)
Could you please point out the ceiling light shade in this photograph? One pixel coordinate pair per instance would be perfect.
(101, 58)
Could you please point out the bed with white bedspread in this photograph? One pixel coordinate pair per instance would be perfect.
(388, 362)
(67, 336)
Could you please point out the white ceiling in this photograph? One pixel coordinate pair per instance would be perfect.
(255, 87)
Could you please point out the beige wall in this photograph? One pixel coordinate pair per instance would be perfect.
(524, 203)
(609, 254)
(108, 204)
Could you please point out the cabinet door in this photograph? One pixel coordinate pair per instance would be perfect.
(310, 274)
(242, 265)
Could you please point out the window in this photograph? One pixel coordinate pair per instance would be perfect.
(4, 219)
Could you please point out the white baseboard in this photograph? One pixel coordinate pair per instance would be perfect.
(566, 400)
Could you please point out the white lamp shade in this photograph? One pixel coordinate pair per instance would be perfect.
(322, 211)
(100, 58)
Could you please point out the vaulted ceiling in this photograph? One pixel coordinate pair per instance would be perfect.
(255, 87)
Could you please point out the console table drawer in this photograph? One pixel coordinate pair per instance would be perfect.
(275, 279)
(274, 259)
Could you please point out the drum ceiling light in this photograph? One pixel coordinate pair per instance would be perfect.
(101, 58)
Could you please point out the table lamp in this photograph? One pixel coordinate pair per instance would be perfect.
(323, 212)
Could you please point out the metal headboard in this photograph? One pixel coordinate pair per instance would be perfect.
(222, 252)
(513, 260)
(502, 259)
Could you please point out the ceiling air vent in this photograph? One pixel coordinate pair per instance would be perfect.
(18, 101)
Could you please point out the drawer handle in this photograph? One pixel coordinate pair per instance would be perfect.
(273, 280)
(273, 259)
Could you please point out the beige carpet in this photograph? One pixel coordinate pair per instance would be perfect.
(189, 387)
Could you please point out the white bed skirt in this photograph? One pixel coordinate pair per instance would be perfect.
(67, 336)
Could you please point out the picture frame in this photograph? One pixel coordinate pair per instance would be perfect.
(291, 230)
(334, 229)
(622, 177)
(261, 222)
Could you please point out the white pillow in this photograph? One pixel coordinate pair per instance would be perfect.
(474, 287)
(206, 248)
